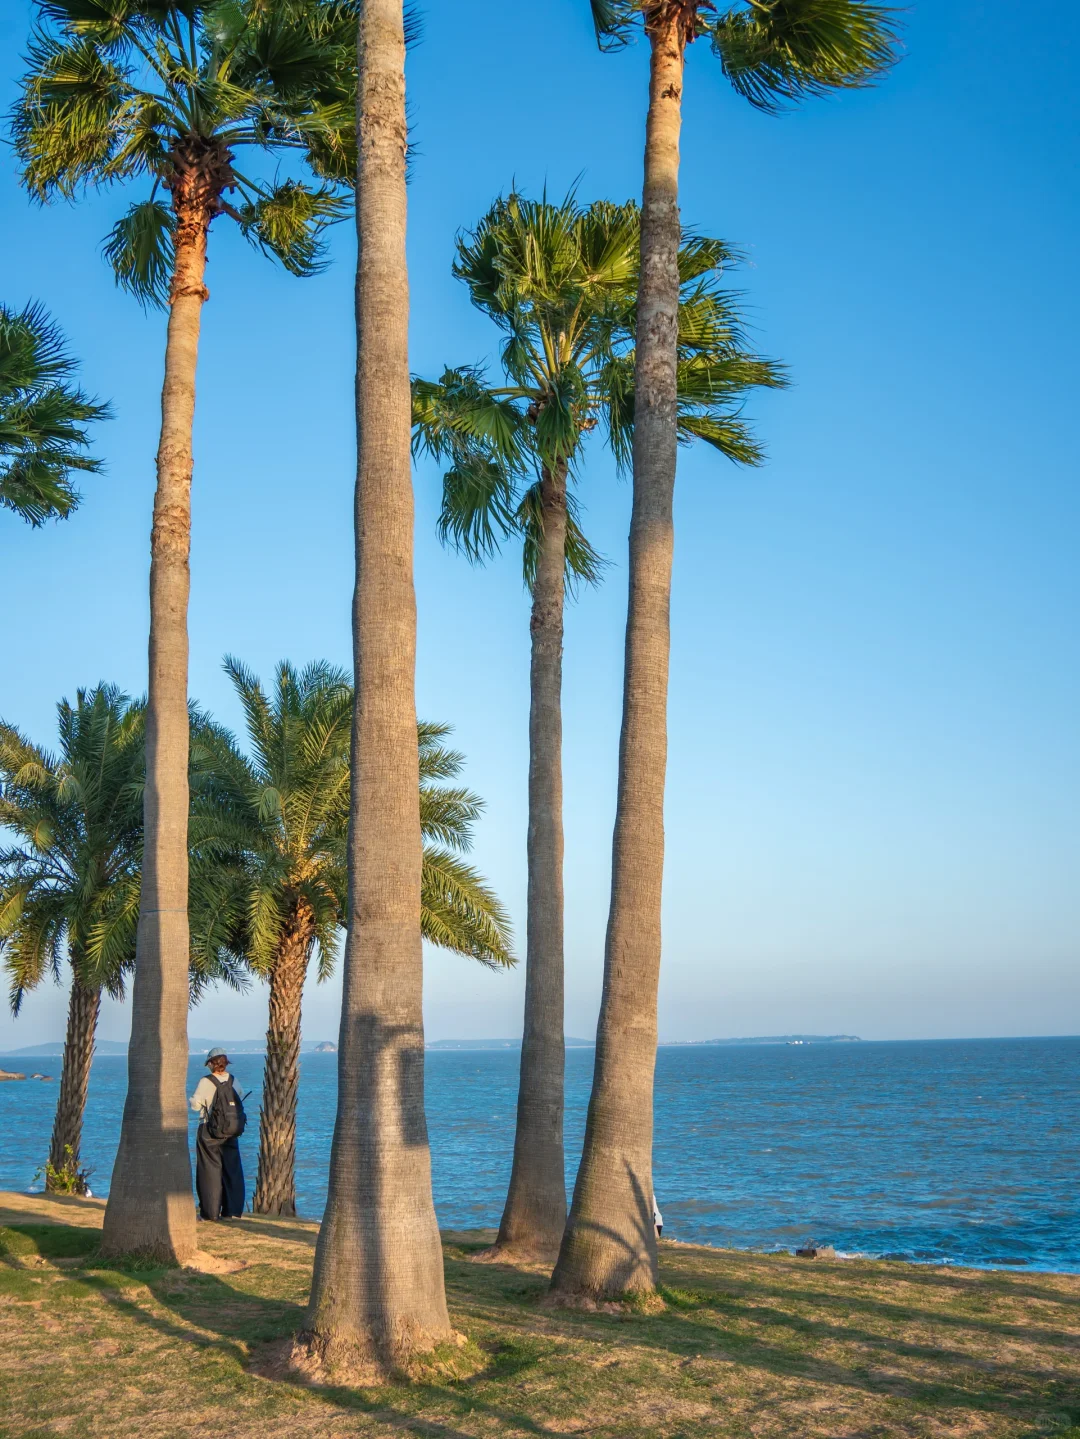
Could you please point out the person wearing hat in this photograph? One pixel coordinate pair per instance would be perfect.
(219, 1175)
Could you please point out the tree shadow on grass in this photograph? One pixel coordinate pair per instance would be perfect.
(292, 1231)
(1012, 1393)
(209, 1314)
(725, 1289)
(999, 1284)
(204, 1313)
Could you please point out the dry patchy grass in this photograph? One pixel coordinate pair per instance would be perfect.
(745, 1345)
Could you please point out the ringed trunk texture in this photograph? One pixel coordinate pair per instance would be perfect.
(377, 1291)
(275, 1186)
(610, 1245)
(535, 1213)
(83, 1005)
(151, 1210)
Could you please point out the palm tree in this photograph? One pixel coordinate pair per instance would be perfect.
(378, 1293)
(77, 818)
(279, 820)
(167, 93)
(772, 52)
(43, 418)
(560, 282)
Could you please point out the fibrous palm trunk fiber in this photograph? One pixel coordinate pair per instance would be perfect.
(275, 1186)
(84, 1002)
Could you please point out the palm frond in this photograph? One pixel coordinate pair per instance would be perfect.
(777, 52)
(72, 879)
(140, 250)
(613, 21)
(459, 911)
(288, 223)
(269, 828)
(43, 418)
(73, 117)
(584, 564)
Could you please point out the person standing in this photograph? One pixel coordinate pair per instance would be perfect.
(219, 1174)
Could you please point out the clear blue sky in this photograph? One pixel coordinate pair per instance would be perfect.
(873, 820)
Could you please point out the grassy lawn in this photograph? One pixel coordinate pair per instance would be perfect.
(745, 1345)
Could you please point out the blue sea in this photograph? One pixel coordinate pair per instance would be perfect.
(958, 1151)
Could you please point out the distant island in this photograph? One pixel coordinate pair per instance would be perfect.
(324, 1046)
(572, 1043)
(196, 1045)
(770, 1039)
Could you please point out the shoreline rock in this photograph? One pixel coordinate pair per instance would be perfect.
(816, 1251)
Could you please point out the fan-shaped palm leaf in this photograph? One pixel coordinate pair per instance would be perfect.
(43, 418)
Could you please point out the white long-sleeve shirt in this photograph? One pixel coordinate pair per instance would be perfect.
(203, 1097)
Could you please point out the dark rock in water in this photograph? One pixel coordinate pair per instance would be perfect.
(9, 1074)
(816, 1251)
(326, 1048)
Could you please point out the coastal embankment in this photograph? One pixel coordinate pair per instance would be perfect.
(742, 1345)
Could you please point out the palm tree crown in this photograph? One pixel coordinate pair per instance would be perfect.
(773, 52)
(269, 828)
(77, 818)
(560, 282)
(64, 884)
(43, 418)
(168, 91)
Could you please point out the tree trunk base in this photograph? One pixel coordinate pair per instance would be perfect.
(523, 1256)
(644, 1301)
(353, 1359)
(282, 1209)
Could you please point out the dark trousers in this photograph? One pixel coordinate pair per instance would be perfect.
(219, 1176)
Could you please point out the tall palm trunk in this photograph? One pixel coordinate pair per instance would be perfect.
(275, 1187)
(535, 1213)
(377, 1290)
(150, 1208)
(83, 1005)
(610, 1245)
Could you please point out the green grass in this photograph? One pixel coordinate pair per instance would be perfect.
(743, 1345)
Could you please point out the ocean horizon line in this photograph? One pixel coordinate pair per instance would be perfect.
(117, 1049)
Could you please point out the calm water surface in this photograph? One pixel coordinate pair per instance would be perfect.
(960, 1151)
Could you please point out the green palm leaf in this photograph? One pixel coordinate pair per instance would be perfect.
(140, 250)
(775, 52)
(269, 827)
(120, 89)
(43, 418)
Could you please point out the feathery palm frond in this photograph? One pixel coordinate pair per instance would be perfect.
(71, 884)
(43, 418)
(269, 828)
(77, 820)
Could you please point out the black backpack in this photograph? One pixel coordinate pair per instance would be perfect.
(226, 1118)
